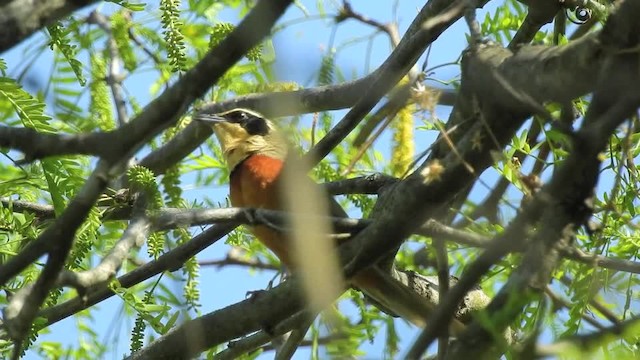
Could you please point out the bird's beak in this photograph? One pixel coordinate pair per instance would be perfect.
(210, 119)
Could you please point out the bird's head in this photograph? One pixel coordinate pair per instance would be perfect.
(243, 132)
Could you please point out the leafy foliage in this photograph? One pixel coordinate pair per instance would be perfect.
(99, 93)
(221, 30)
(59, 39)
(327, 68)
(172, 25)
(120, 28)
(403, 144)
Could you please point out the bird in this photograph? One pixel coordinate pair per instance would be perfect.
(255, 151)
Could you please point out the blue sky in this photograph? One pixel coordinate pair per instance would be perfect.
(299, 49)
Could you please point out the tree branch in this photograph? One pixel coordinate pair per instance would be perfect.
(169, 261)
(588, 342)
(540, 13)
(293, 340)
(367, 184)
(370, 184)
(134, 236)
(262, 312)
(20, 19)
(246, 344)
(41, 211)
(36, 145)
(231, 260)
(277, 220)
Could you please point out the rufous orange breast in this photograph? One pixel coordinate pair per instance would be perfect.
(255, 183)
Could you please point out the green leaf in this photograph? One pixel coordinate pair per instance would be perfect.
(171, 23)
(59, 39)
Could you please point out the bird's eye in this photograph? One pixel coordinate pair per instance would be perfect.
(256, 126)
(239, 117)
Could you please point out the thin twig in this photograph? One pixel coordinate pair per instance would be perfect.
(419, 35)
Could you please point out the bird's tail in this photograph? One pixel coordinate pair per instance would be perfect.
(397, 299)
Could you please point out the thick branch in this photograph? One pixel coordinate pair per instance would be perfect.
(490, 78)
(424, 193)
(20, 19)
(246, 344)
(41, 211)
(265, 310)
(370, 184)
(278, 220)
(37, 145)
(540, 12)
